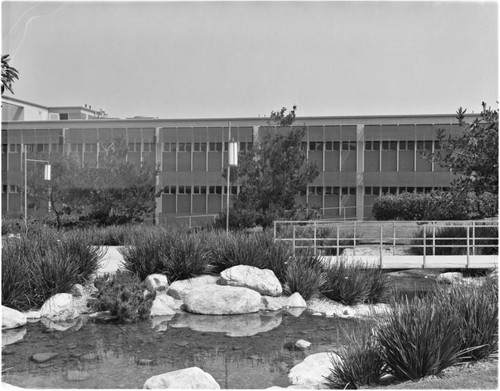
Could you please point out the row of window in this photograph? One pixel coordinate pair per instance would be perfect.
(402, 145)
(401, 189)
(329, 190)
(172, 189)
(11, 189)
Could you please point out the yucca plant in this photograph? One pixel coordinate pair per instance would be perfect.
(305, 275)
(420, 337)
(360, 364)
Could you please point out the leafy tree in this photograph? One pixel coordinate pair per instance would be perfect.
(9, 74)
(473, 156)
(116, 192)
(271, 175)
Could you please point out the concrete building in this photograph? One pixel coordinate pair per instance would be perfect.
(359, 157)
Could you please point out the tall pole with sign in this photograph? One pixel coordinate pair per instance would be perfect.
(232, 160)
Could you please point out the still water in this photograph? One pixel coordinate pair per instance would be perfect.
(110, 355)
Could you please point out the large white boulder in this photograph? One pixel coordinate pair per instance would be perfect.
(12, 336)
(450, 278)
(233, 326)
(60, 306)
(222, 300)
(162, 306)
(188, 378)
(263, 281)
(12, 318)
(156, 282)
(178, 289)
(311, 372)
(295, 300)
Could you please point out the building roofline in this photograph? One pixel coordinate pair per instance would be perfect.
(48, 107)
(23, 101)
(253, 119)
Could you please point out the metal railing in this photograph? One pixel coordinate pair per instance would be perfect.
(421, 238)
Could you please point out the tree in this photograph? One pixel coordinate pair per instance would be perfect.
(116, 192)
(472, 157)
(271, 175)
(9, 74)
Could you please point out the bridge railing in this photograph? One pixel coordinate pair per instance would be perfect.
(392, 238)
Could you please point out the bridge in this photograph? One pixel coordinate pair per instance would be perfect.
(396, 244)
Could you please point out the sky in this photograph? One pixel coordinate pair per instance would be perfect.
(245, 59)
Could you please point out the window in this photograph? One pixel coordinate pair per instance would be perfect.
(368, 190)
(246, 146)
(315, 190)
(29, 147)
(56, 147)
(90, 147)
(215, 147)
(348, 145)
(393, 145)
(148, 147)
(368, 146)
(406, 145)
(63, 116)
(428, 145)
(76, 147)
(211, 190)
(385, 190)
(197, 147)
(196, 189)
(4, 188)
(169, 189)
(182, 147)
(328, 190)
(203, 189)
(345, 190)
(420, 145)
(218, 189)
(385, 145)
(410, 189)
(376, 191)
(15, 148)
(13, 189)
(312, 145)
(352, 191)
(437, 145)
(4, 148)
(393, 190)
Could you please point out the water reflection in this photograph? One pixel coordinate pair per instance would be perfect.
(110, 355)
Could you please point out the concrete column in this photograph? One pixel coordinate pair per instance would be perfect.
(360, 171)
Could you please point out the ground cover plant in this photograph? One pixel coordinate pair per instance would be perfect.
(123, 295)
(305, 275)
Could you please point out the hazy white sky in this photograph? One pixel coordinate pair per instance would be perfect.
(238, 59)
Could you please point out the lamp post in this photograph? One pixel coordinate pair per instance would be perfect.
(47, 175)
(232, 160)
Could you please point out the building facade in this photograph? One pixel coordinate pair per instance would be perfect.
(358, 158)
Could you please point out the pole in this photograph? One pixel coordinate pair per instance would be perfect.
(228, 182)
(25, 188)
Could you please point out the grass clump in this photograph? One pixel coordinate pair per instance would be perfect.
(37, 267)
(355, 283)
(421, 337)
(123, 295)
(304, 275)
(360, 364)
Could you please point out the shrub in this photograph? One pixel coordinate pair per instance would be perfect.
(115, 235)
(453, 241)
(278, 256)
(147, 253)
(123, 295)
(37, 267)
(360, 364)
(420, 337)
(304, 275)
(188, 256)
(355, 283)
(477, 307)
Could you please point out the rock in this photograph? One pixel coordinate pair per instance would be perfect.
(263, 281)
(189, 378)
(271, 304)
(44, 357)
(74, 324)
(12, 318)
(12, 336)
(450, 278)
(311, 372)
(222, 300)
(295, 300)
(162, 306)
(76, 375)
(302, 344)
(77, 290)
(160, 323)
(59, 306)
(233, 326)
(295, 311)
(9, 387)
(178, 289)
(156, 282)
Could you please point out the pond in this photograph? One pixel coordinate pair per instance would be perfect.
(107, 355)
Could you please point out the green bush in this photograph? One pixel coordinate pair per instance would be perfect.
(304, 275)
(37, 267)
(420, 337)
(453, 241)
(477, 307)
(355, 283)
(147, 254)
(360, 364)
(123, 295)
(188, 256)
